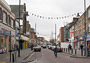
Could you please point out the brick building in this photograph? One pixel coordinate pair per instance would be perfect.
(62, 34)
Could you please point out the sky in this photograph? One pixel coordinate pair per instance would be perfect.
(50, 8)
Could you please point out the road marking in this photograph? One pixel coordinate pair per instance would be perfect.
(31, 55)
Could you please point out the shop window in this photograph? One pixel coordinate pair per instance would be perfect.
(4, 17)
(89, 13)
(0, 15)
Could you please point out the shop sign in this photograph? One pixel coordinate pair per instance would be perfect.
(4, 31)
(88, 38)
(19, 35)
(81, 38)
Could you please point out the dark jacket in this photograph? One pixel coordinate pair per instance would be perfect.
(55, 50)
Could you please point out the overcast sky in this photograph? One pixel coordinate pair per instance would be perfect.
(52, 8)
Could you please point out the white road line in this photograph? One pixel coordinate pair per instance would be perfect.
(31, 55)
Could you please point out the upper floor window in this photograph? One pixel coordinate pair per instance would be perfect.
(0, 15)
(5, 17)
(89, 13)
(12, 23)
(8, 17)
(17, 24)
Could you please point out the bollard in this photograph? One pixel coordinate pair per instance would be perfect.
(75, 51)
(66, 50)
(69, 51)
(13, 57)
(81, 52)
(72, 51)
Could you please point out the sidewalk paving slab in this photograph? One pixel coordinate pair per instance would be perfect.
(5, 58)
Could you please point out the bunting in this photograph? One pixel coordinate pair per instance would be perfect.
(58, 17)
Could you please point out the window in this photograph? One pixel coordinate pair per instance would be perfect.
(8, 20)
(0, 14)
(4, 17)
(89, 13)
(17, 24)
(89, 28)
(12, 23)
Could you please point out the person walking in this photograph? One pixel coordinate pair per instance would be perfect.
(32, 47)
(55, 51)
(81, 47)
(69, 48)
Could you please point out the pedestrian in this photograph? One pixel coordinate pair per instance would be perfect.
(81, 47)
(69, 48)
(55, 51)
(32, 47)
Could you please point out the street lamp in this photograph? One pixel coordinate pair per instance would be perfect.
(55, 33)
(19, 29)
(85, 27)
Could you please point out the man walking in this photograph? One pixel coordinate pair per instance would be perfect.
(55, 51)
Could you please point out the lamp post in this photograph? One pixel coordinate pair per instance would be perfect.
(55, 33)
(19, 29)
(85, 27)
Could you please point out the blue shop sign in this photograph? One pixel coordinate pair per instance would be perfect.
(5, 32)
(81, 38)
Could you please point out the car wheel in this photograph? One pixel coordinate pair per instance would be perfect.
(40, 50)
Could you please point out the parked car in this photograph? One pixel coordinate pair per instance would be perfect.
(49, 46)
(59, 49)
(37, 48)
(52, 48)
(44, 46)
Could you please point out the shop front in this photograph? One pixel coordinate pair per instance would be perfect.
(81, 41)
(25, 41)
(88, 41)
(5, 38)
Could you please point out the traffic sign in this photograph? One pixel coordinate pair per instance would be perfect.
(19, 35)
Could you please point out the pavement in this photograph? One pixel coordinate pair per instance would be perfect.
(77, 55)
(5, 58)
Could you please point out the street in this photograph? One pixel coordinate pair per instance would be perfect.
(47, 56)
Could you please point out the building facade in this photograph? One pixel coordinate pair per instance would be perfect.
(62, 34)
(7, 27)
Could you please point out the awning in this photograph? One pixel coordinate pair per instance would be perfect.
(24, 38)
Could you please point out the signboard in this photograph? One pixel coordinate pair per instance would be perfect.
(85, 35)
(81, 38)
(19, 35)
(4, 31)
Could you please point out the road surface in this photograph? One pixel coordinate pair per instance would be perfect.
(47, 56)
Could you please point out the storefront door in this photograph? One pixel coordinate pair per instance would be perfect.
(88, 45)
